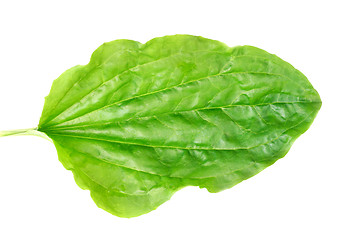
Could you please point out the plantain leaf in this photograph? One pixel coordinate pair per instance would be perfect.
(141, 121)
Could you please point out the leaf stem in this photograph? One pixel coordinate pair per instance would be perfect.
(22, 132)
(17, 132)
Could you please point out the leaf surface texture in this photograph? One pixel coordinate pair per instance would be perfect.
(141, 121)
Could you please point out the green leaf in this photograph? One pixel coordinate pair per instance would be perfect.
(141, 121)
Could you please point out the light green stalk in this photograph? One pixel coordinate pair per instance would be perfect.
(21, 132)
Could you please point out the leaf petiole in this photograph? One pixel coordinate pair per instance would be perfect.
(22, 132)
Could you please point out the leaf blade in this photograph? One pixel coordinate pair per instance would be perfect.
(183, 111)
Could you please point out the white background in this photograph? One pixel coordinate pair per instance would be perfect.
(312, 193)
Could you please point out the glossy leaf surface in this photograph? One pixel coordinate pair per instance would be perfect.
(141, 121)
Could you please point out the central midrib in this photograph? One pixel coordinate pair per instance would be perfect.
(161, 90)
(56, 128)
(178, 147)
